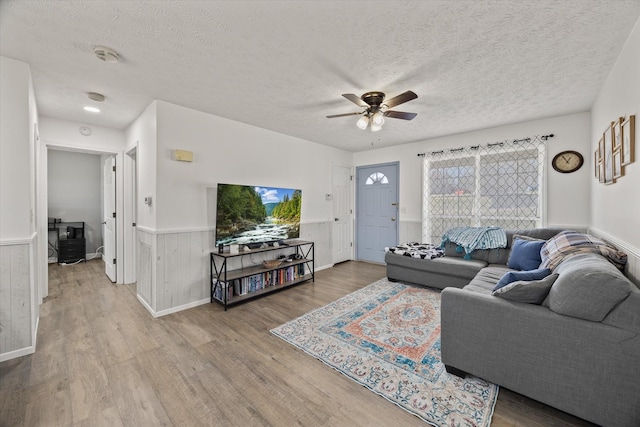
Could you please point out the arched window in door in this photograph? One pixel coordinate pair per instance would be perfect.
(377, 178)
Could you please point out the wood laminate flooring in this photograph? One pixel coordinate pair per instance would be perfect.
(103, 360)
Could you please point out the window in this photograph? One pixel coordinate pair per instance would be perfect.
(499, 185)
(377, 178)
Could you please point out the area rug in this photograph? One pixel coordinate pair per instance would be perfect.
(386, 337)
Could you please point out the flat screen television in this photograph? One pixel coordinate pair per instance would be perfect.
(249, 215)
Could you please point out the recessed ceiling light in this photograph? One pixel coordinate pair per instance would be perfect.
(92, 109)
(106, 54)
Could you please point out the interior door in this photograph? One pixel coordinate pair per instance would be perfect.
(376, 210)
(109, 223)
(341, 230)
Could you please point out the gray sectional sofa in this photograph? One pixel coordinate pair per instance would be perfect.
(577, 349)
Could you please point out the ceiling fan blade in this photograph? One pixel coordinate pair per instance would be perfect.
(400, 115)
(342, 115)
(400, 99)
(356, 100)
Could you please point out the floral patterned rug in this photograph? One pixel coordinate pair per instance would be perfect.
(386, 337)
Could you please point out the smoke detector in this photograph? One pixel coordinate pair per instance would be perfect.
(106, 54)
(95, 96)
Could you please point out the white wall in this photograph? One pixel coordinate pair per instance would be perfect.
(567, 194)
(615, 209)
(235, 153)
(19, 265)
(65, 134)
(75, 192)
(16, 132)
(141, 136)
(175, 236)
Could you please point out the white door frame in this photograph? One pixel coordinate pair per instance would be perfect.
(119, 202)
(130, 215)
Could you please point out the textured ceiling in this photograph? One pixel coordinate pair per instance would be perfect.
(283, 65)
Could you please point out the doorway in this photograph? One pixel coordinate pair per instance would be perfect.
(342, 222)
(73, 206)
(376, 210)
(96, 199)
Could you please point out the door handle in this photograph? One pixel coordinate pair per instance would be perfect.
(336, 219)
(394, 204)
(393, 218)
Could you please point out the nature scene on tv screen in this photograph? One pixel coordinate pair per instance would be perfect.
(247, 214)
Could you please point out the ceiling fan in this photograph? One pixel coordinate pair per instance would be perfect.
(376, 108)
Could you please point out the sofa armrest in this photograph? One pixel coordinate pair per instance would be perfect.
(555, 359)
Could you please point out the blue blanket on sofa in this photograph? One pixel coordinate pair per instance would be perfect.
(472, 238)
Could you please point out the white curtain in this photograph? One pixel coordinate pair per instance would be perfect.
(500, 185)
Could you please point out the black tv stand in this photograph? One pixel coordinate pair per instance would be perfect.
(230, 287)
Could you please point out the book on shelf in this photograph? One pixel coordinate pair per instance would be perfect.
(220, 288)
(257, 282)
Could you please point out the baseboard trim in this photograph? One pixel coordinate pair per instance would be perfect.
(183, 307)
(623, 246)
(17, 353)
(172, 310)
(146, 305)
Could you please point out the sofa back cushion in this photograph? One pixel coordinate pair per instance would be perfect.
(501, 256)
(588, 287)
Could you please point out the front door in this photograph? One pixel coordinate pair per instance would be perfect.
(376, 210)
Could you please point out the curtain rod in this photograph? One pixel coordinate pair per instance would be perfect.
(475, 147)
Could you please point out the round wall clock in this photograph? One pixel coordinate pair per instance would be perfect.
(567, 161)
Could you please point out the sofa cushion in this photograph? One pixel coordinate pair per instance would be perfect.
(486, 279)
(588, 287)
(525, 253)
(530, 292)
(513, 276)
(626, 315)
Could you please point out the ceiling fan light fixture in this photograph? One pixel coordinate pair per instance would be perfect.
(377, 119)
(363, 122)
(375, 128)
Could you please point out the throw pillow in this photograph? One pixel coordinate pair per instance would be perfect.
(513, 276)
(530, 292)
(525, 254)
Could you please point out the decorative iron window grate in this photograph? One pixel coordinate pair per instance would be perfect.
(499, 185)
